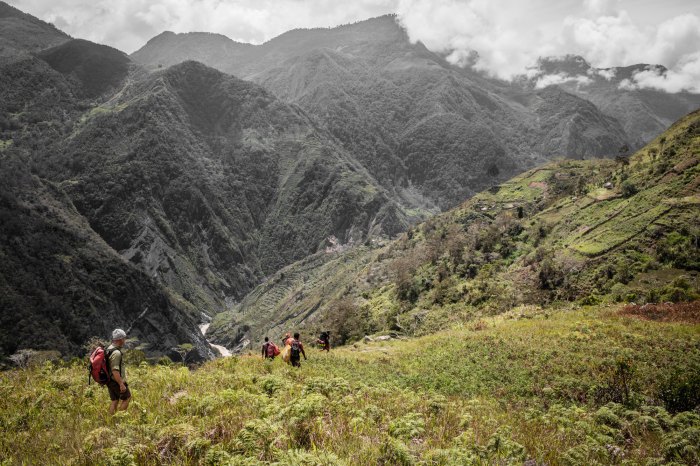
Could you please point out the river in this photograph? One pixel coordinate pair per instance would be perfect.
(223, 351)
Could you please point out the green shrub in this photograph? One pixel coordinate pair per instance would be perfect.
(119, 457)
(680, 391)
(306, 458)
(606, 416)
(259, 438)
(216, 456)
(332, 387)
(407, 427)
(645, 424)
(450, 457)
(628, 189)
(682, 445)
(394, 452)
(502, 448)
(272, 384)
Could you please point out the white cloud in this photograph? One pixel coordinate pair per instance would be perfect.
(504, 38)
(684, 77)
(502, 33)
(606, 73)
(561, 78)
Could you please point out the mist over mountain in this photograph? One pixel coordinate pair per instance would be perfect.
(643, 113)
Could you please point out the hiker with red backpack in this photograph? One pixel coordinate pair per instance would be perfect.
(296, 351)
(118, 387)
(269, 349)
(107, 368)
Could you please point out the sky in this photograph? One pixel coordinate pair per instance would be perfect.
(507, 36)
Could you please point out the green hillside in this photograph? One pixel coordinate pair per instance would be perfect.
(591, 386)
(570, 231)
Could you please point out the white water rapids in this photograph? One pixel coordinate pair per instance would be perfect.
(223, 351)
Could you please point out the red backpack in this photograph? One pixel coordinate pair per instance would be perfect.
(271, 350)
(98, 368)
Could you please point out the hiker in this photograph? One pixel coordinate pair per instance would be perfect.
(286, 342)
(295, 351)
(324, 341)
(118, 388)
(269, 349)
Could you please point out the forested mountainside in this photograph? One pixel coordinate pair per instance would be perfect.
(571, 231)
(61, 284)
(20, 32)
(415, 120)
(204, 183)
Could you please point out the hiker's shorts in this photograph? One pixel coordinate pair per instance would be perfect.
(115, 394)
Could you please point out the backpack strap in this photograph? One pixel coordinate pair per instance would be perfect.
(109, 367)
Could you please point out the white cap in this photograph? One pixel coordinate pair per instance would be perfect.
(118, 334)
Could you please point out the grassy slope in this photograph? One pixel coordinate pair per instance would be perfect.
(553, 234)
(541, 386)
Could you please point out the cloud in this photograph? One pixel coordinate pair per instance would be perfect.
(561, 78)
(501, 32)
(504, 38)
(606, 73)
(685, 77)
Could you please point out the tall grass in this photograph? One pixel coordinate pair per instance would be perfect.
(582, 387)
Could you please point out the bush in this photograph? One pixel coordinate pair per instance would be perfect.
(680, 391)
(407, 427)
(628, 189)
(683, 445)
(394, 452)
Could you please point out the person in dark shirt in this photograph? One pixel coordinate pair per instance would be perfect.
(297, 350)
(324, 341)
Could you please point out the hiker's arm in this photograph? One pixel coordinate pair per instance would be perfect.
(302, 351)
(118, 378)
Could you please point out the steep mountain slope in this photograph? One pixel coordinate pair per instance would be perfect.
(97, 68)
(555, 233)
(202, 181)
(209, 182)
(22, 32)
(61, 284)
(411, 118)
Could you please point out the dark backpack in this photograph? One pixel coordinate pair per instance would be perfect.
(295, 352)
(98, 367)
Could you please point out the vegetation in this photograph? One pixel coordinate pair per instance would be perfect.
(569, 231)
(585, 386)
(60, 284)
